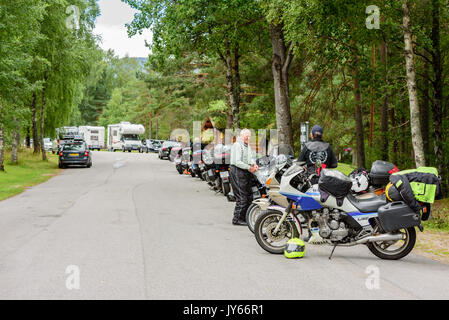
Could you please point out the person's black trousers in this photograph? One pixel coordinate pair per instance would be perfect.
(241, 186)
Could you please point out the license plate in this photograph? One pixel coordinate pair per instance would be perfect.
(73, 155)
(224, 174)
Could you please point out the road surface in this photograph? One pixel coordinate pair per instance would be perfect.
(131, 227)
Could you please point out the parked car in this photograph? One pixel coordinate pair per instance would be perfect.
(75, 152)
(155, 145)
(166, 147)
(144, 148)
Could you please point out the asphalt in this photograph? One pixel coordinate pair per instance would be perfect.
(131, 227)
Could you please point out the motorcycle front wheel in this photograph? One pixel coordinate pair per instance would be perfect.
(394, 250)
(264, 227)
(252, 214)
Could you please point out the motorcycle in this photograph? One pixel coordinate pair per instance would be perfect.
(222, 154)
(271, 174)
(178, 160)
(186, 161)
(329, 213)
(197, 167)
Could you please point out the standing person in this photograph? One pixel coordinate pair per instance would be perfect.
(317, 149)
(242, 166)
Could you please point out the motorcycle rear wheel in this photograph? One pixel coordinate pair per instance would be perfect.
(402, 247)
(226, 188)
(265, 224)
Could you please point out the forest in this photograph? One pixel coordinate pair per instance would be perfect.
(373, 74)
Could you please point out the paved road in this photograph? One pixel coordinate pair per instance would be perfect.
(135, 229)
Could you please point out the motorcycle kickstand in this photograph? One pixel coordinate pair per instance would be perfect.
(333, 249)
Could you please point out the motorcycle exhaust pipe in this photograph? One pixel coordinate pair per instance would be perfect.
(382, 237)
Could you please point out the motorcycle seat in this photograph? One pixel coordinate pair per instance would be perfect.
(367, 205)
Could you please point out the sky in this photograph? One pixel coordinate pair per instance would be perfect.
(111, 26)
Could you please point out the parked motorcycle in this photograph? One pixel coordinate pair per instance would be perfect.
(271, 174)
(178, 160)
(186, 161)
(197, 167)
(328, 211)
(222, 158)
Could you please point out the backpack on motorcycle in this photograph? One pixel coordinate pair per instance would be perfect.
(360, 180)
(416, 187)
(380, 172)
(335, 183)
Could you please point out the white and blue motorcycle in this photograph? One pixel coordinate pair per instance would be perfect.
(328, 213)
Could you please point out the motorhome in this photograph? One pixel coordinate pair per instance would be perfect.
(63, 134)
(125, 136)
(93, 136)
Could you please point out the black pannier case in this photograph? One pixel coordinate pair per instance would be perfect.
(397, 215)
(335, 183)
(380, 172)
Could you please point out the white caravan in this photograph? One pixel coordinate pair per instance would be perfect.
(93, 136)
(125, 136)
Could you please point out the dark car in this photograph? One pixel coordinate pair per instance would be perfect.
(166, 147)
(155, 145)
(75, 153)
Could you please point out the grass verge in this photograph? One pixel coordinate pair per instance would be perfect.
(30, 171)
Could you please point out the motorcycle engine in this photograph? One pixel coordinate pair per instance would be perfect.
(330, 224)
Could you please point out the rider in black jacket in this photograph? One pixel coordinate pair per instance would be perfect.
(317, 149)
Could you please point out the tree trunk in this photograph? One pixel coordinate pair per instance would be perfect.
(417, 141)
(15, 143)
(28, 138)
(394, 135)
(150, 126)
(384, 110)
(34, 123)
(371, 121)
(229, 120)
(44, 155)
(2, 149)
(231, 62)
(157, 127)
(424, 110)
(282, 57)
(437, 103)
(358, 117)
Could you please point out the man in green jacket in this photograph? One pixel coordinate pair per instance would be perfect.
(243, 165)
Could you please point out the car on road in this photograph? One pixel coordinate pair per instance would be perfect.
(146, 145)
(155, 145)
(76, 153)
(164, 152)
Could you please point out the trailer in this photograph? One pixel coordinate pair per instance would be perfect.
(125, 136)
(93, 136)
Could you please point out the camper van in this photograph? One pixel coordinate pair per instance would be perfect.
(64, 134)
(93, 136)
(125, 136)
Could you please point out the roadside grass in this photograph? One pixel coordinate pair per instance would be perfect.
(30, 171)
(345, 168)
